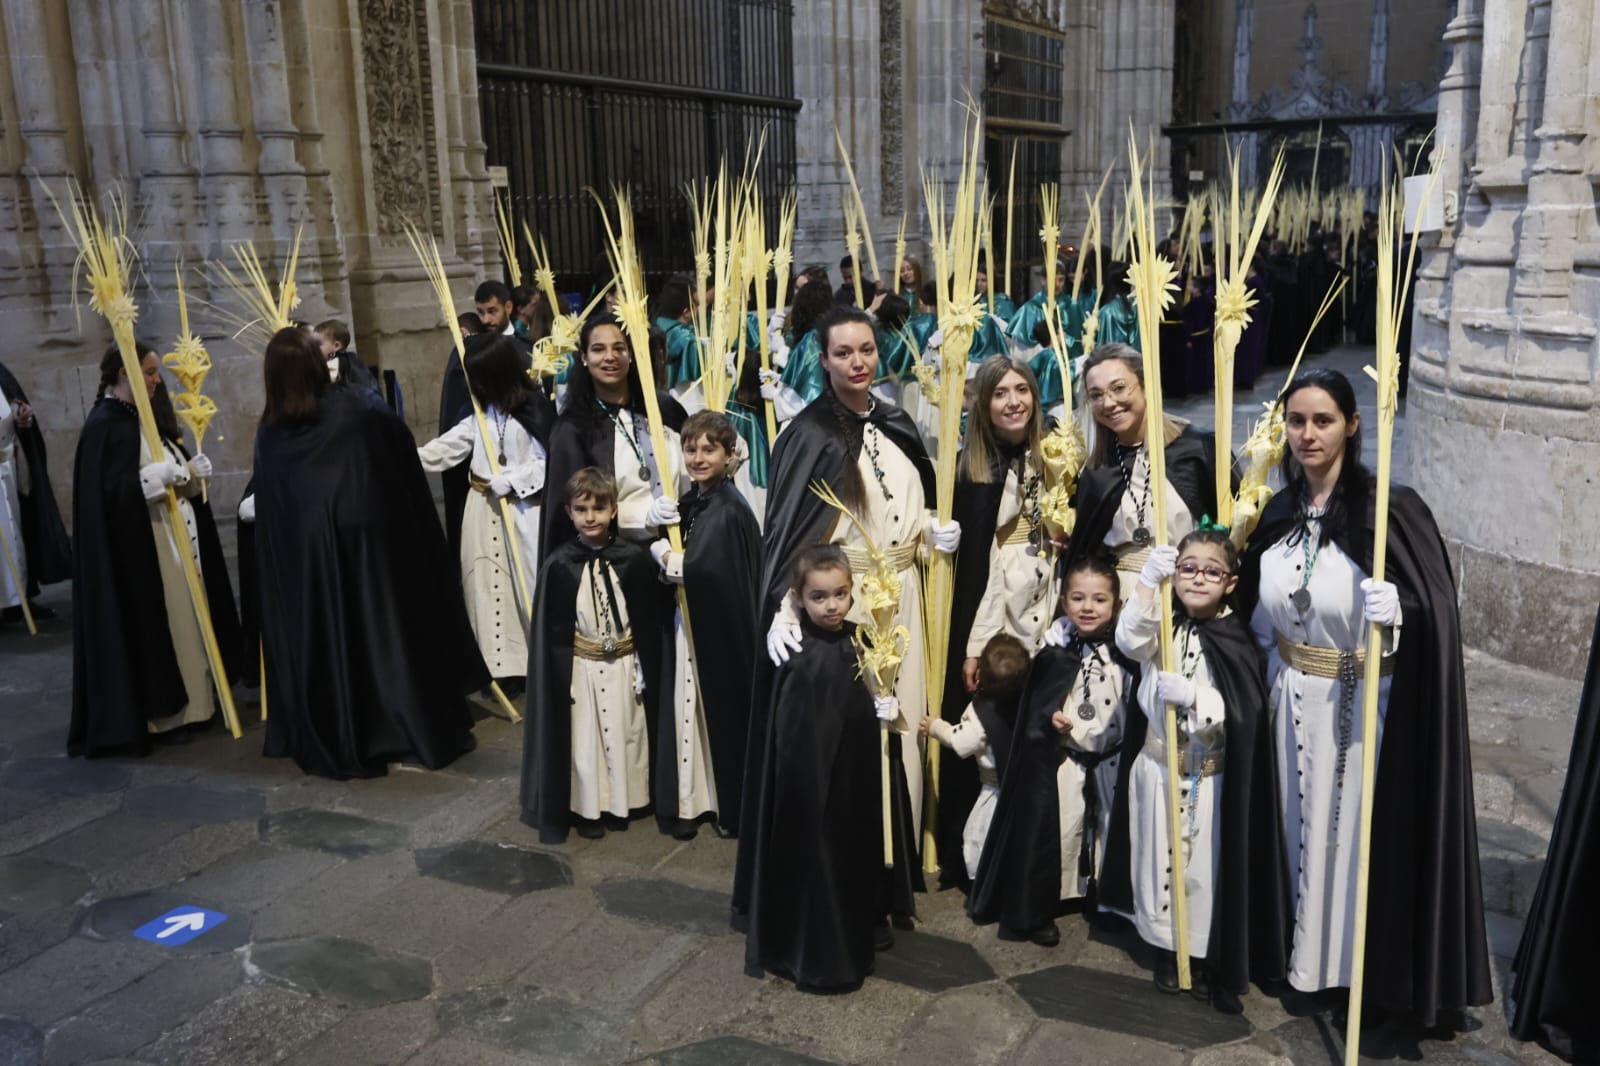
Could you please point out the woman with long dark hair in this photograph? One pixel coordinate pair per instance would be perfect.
(1306, 578)
(803, 370)
(603, 424)
(368, 654)
(518, 429)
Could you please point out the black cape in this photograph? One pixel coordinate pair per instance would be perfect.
(722, 571)
(547, 734)
(369, 655)
(44, 538)
(1426, 950)
(1551, 990)
(124, 669)
(816, 836)
(579, 440)
(810, 448)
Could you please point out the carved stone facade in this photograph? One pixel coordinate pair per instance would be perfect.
(238, 120)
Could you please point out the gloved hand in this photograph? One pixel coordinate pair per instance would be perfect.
(776, 320)
(1380, 602)
(661, 552)
(779, 349)
(731, 362)
(935, 340)
(1059, 635)
(500, 485)
(1163, 562)
(887, 708)
(769, 383)
(944, 536)
(247, 508)
(200, 467)
(783, 639)
(663, 511)
(1175, 689)
(638, 676)
(156, 477)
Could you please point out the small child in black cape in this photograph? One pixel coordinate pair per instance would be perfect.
(820, 887)
(1231, 848)
(593, 675)
(1051, 831)
(985, 731)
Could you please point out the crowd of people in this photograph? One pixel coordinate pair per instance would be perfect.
(677, 609)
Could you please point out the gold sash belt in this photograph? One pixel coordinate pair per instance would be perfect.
(900, 557)
(1020, 531)
(1327, 662)
(1133, 562)
(478, 484)
(1204, 762)
(589, 648)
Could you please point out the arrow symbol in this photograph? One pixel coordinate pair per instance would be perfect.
(180, 922)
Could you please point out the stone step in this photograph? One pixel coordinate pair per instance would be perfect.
(1511, 858)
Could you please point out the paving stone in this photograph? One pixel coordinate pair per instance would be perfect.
(726, 1049)
(252, 1026)
(666, 903)
(62, 776)
(459, 1051)
(1246, 1054)
(26, 935)
(701, 996)
(931, 963)
(110, 841)
(330, 898)
(419, 916)
(29, 884)
(256, 874)
(488, 763)
(609, 963)
(346, 971)
(141, 1012)
(193, 804)
(1126, 1005)
(867, 1026)
(495, 950)
(377, 1037)
(974, 1026)
(348, 835)
(114, 920)
(495, 868)
(60, 981)
(20, 1043)
(55, 819)
(469, 814)
(523, 1018)
(1308, 1041)
(178, 858)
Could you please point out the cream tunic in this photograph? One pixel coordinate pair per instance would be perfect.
(967, 739)
(697, 786)
(182, 625)
(630, 430)
(489, 584)
(1020, 596)
(1119, 538)
(1099, 686)
(610, 741)
(12, 585)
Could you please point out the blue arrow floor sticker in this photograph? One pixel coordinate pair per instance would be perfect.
(180, 925)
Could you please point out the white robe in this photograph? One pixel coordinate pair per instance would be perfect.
(182, 626)
(1020, 596)
(1104, 695)
(12, 585)
(1119, 537)
(610, 742)
(967, 739)
(1305, 709)
(633, 492)
(489, 584)
(1138, 635)
(697, 786)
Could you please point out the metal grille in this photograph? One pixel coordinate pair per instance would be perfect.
(1022, 106)
(595, 93)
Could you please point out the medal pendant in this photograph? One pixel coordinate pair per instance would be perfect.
(609, 645)
(644, 473)
(1301, 598)
(1086, 711)
(502, 460)
(1142, 537)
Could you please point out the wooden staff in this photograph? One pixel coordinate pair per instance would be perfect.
(1153, 279)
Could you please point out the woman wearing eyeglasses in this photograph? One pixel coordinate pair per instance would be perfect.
(1306, 578)
(1115, 495)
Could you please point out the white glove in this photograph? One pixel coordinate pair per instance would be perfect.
(731, 362)
(769, 383)
(663, 511)
(779, 349)
(638, 676)
(945, 536)
(783, 639)
(156, 477)
(1059, 635)
(1175, 689)
(1380, 602)
(887, 708)
(935, 340)
(776, 320)
(247, 508)
(500, 485)
(200, 467)
(661, 552)
(1163, 562)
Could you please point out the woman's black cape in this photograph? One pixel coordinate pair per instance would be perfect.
(722, 573)
(811, 448)
(816, 831)
(124, 669)
(547, 734)
(1551, 991)
(44, 538)
(369, 654)
(1426, 950)
(582, 440)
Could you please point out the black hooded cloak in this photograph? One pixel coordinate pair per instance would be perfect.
(44, 538)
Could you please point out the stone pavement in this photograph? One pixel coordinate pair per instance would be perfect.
(413, 919)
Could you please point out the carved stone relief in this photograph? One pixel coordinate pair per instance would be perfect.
(399, 77)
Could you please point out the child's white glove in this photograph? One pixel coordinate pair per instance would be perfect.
(247, 508)
(663, 511)
(1059, 635)
(887, 708)
(155, 478)
(500, 485)
(200, 467)
(1380, 602)
(1163, 562)
(1175, 689)
(783, 639)
(944, 536)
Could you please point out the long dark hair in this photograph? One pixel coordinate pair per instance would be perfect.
(166, 416)
(111, 363)
(1348, 501)
(852, 489)
(812, 302)
(580, 403)
(295, 376)
(494, 369)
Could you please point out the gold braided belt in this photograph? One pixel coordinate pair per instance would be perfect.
(1019, 531)
(1328, 662)
(900, 557)
(478, 484)
(1193, 760)
(1133, 562)
(601, 651)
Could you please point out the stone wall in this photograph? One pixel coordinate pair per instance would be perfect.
(1504, 405)
(223, 121)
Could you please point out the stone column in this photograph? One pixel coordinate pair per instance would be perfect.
(230, 213)
(168, 193)
(1136, 87)
(1082, 158)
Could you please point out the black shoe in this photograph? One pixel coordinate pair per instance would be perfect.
(902, 921)
(1047, 935)
(172, 738)
(1226, 1002)
(590, 830)
(1166, 975)
(41, 614)
(882, 937)
(1199, 981)
(686, 831)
